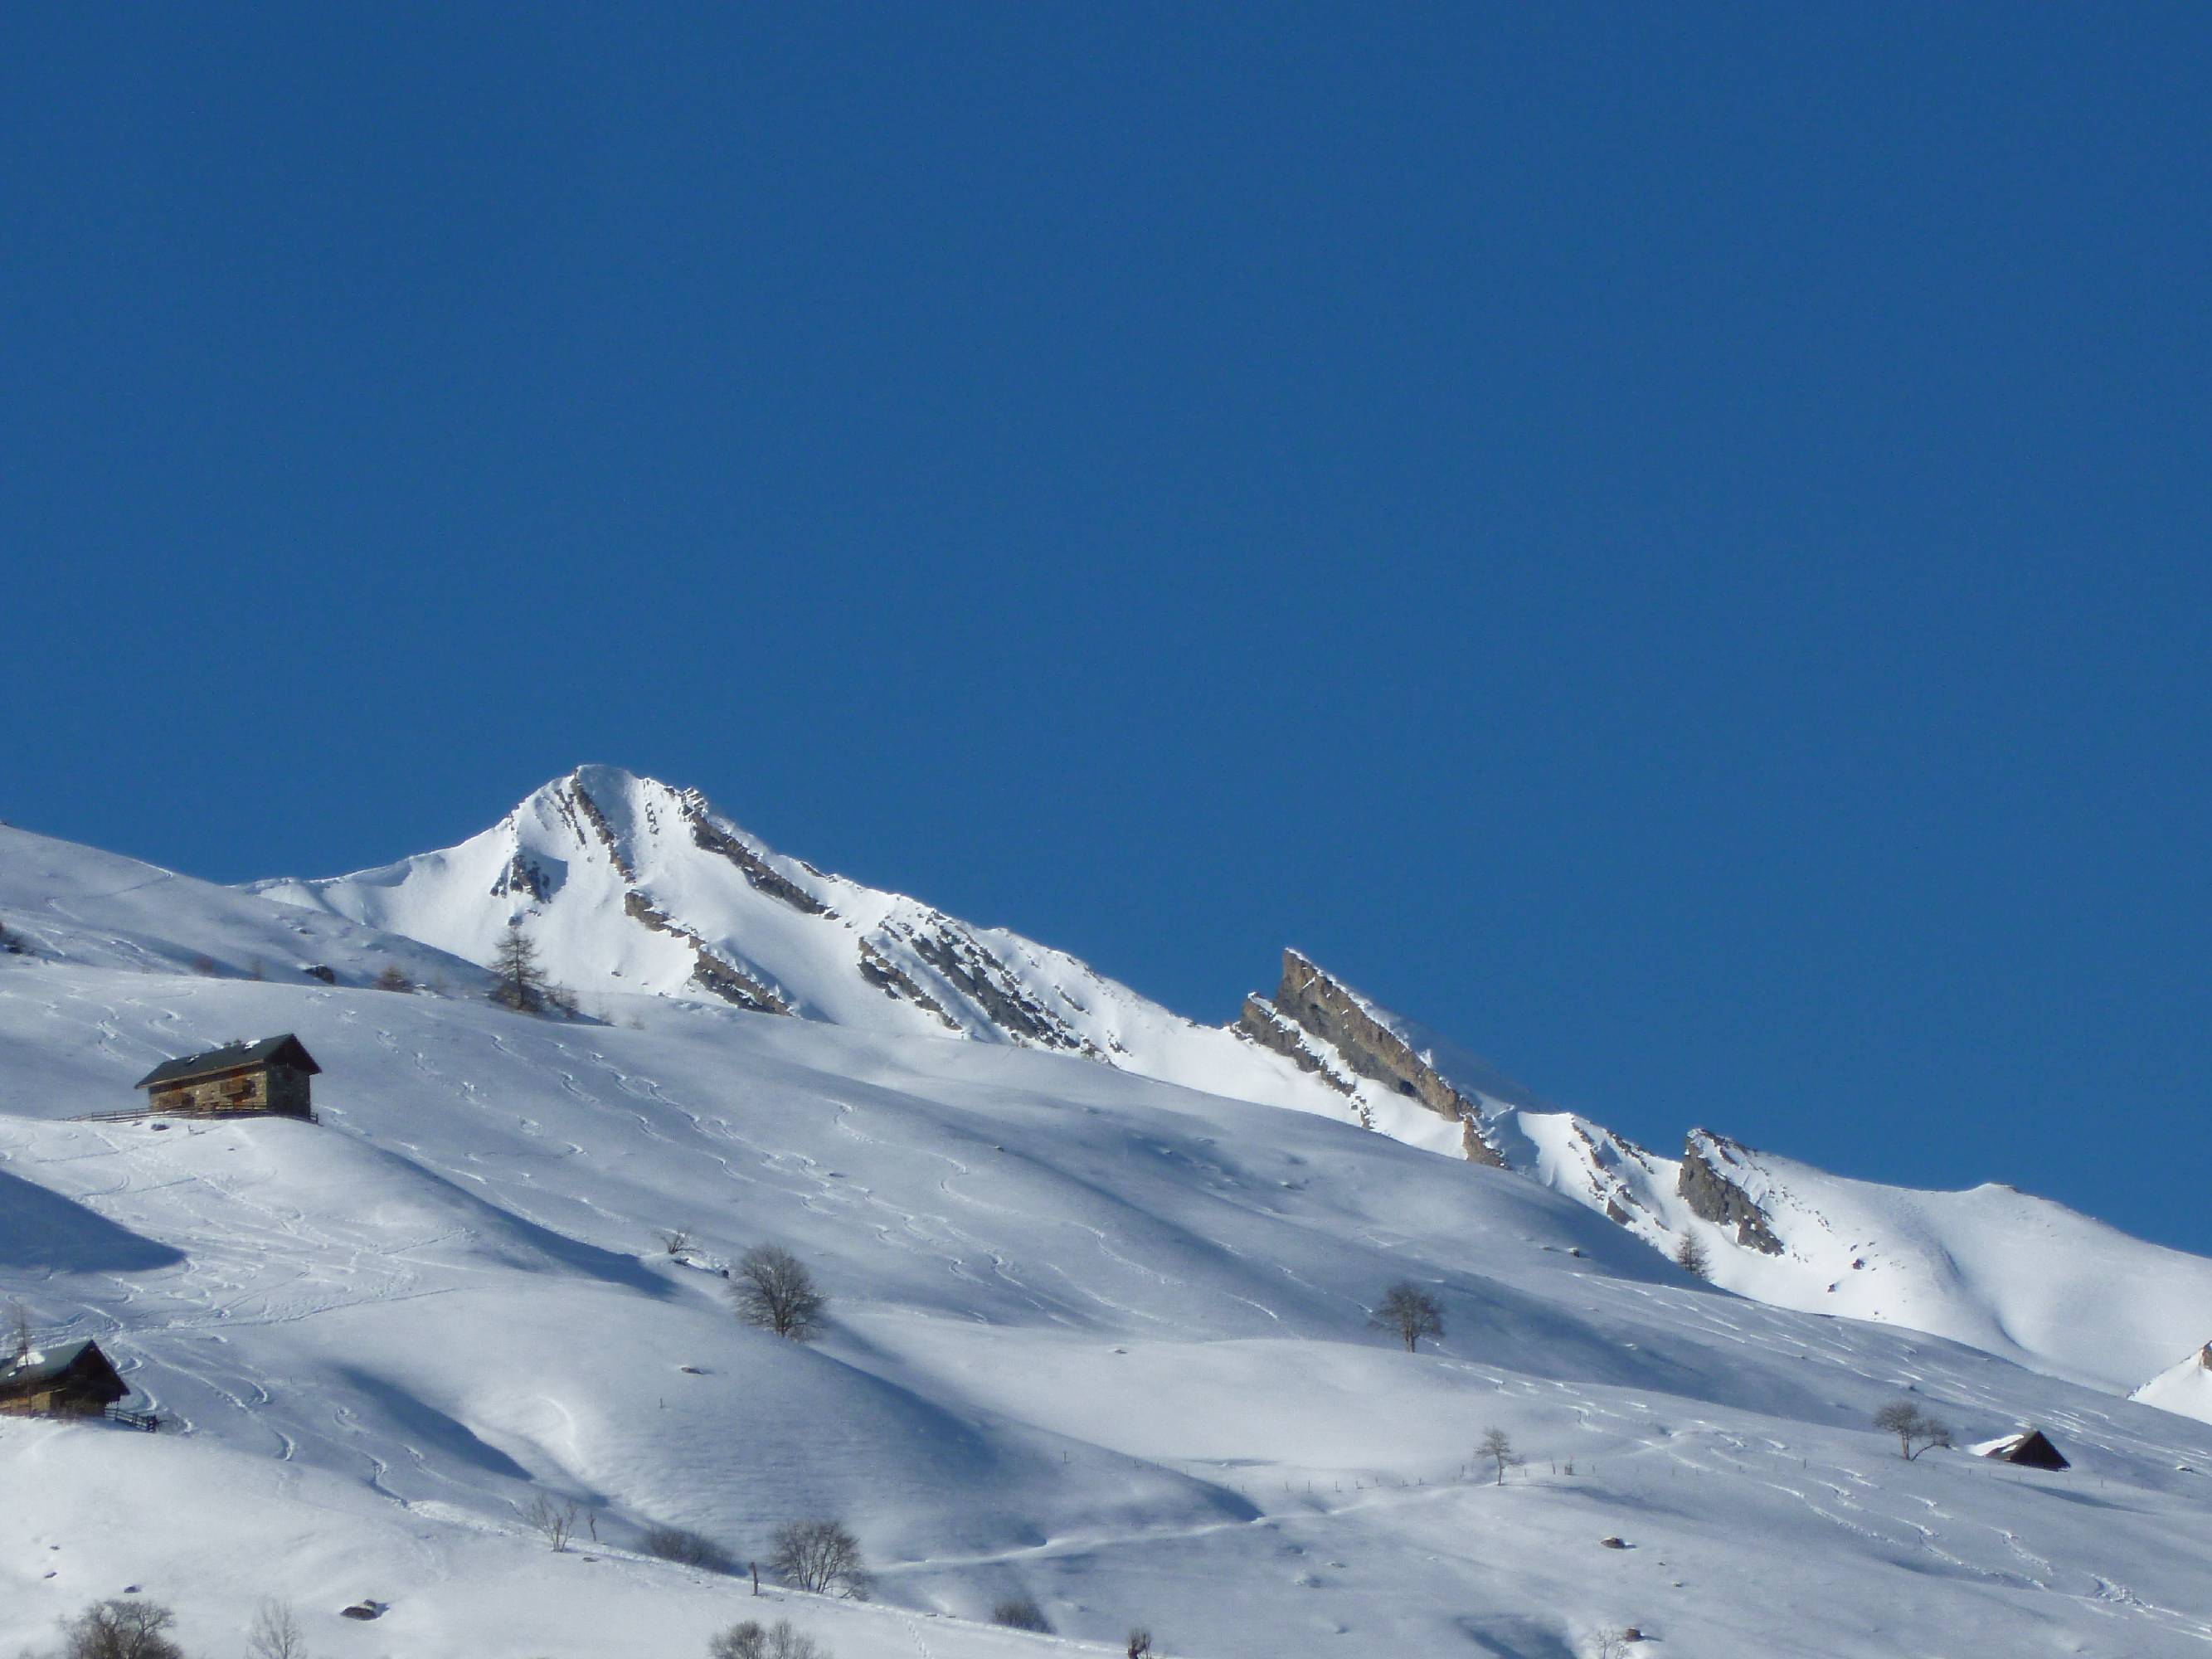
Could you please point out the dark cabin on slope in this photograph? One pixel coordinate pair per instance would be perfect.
(265, 1077)
(2031, 1449)
(72, 1381)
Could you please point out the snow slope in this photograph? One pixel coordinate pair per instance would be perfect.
(1996, 1269)
(1097, 1339)
(2185, 1387)
(2015, 1275)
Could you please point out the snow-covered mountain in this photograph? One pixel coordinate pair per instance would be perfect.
(627, 885)
(1097, 1339)
(1999, 1269)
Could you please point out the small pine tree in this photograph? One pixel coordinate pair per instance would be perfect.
(518, 981)
(1690, 1256)
(392, 977)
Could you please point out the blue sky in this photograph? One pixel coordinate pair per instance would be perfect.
(1669, 542)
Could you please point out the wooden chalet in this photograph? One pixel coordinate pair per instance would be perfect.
(265, 1077)
(2031, 1448)
(74, 1380)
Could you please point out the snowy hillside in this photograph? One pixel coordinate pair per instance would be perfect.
(2015, 1275)
(1097, 1338)
(2185, 1387)
(63, 903)
(628, 886)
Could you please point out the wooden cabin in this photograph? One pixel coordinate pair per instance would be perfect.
(74, 1380)
(2031, 1448)
(267, 1078)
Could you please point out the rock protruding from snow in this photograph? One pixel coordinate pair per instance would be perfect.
(1705, 1183)
(1343, 1024)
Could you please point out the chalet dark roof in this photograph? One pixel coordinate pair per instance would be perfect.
(50, 1364)
(286, 1050)
(2031, 1447)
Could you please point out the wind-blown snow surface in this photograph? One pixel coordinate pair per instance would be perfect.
(1097, 1339)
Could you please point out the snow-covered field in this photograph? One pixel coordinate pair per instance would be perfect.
(1096, 1338)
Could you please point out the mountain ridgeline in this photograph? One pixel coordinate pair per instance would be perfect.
(626, 886)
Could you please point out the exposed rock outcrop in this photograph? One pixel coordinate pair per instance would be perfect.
(1312, 1001)
(706, 834)
(979, 976)
(527, 875)
(880, 971)
(581, 810)
(710, 970)
(1715, 1196)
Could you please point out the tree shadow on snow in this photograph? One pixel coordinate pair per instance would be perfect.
(39, 1229)
(1510, 1637)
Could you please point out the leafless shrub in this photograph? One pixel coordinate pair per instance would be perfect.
(1497, 1446)
(753, 1640)
(1022, 1612)
(1408, 1312)
(687, 1549)
(554, 1521)
(676, 1240)
(1141, 1642)
(822, 1556)
(1916, 1430)
(121, 1629)
(392, 977)
(276, 1633)
(774, 1291)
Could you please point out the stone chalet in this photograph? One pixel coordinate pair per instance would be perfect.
(268, 1078)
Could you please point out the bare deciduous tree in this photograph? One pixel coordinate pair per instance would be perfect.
(1690, 1256)
(1497, 1446)
(676, 1240)
(121, 1629)
(1916, 1430)
(1141, 1642)
(822, 1556)
(20, 1339)
(554, 1521)
(1022, 1612)
(518, 983)
(774, 1291)
(1409, 1312)
(276, 1633)
(753, 1640)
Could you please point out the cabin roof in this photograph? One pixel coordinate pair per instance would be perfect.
(286, 1049)
(2029, 1446)
(50, 1364)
